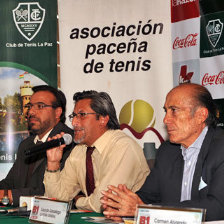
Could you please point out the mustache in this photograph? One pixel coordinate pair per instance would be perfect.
(76, 128)
(32, 117)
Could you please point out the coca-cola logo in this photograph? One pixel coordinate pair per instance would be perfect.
(213, 79)
(181, 2)
(189, 41)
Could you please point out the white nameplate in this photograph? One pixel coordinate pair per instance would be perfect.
(26, 201)
(148, 214)
(46, 210)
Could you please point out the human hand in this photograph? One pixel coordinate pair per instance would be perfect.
(54, 155)
(119, 201)
(107, 208)
(6, 193)
(105, 198)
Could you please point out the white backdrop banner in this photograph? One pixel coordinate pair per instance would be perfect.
(122, 48)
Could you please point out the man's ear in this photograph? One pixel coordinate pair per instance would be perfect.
(201, 114)
(58, 112)
(103, 120)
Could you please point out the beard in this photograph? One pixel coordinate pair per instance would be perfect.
(39, 127)
(81, 138)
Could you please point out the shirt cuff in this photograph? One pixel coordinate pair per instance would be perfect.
(51, 176)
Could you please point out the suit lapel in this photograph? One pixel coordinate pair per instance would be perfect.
(25, 167)
(38, 163)
(179, 169)
(200, 163)
(42, 157)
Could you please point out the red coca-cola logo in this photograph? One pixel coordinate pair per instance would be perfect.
(181, 2)
(213, 79)
(189, 41)
(184, 9)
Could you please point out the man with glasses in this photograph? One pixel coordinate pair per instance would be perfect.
(104, 155)
(46, 117)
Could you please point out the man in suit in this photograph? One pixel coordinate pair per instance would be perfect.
(46, 117)
(189, 168)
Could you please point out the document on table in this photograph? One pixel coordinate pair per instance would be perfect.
(215, 222)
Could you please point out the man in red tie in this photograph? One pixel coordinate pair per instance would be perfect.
(104, 155)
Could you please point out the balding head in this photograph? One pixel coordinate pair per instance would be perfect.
(189, 108)
(198, 95)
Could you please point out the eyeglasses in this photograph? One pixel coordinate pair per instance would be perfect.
(80, 115)
(37, 106)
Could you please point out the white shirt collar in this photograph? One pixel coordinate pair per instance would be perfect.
(44, 139)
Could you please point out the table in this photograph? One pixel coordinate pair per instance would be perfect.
(74, 218)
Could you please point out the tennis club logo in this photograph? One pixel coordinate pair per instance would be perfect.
(28, 18)
(214, 31)
(138, 116)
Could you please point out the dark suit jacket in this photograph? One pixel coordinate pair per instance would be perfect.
(163, 185)
(16, 180)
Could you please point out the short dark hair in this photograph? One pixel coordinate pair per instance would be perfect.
(102, 104)
(59, 96)
(202, 97)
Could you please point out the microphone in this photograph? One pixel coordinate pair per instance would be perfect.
(65, 139)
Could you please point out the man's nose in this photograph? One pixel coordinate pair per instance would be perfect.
(31, 111)
(166, 118)
(75, 121)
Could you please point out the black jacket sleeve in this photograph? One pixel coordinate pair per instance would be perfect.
(17, 177)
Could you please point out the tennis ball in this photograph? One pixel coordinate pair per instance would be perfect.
(137, 114)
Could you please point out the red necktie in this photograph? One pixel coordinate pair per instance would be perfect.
(90, 184)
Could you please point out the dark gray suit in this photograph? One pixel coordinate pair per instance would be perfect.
(17, 180)
(163, 185)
